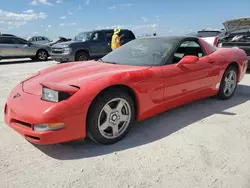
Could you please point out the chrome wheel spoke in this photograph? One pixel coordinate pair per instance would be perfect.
(120, 106)
(124, 118)
(107, 109)
(231, 76)
(115, 130)
(225, 89)
(105, 125)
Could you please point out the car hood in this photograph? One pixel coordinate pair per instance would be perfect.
(76, 73)
(61, 44)
(237, 24)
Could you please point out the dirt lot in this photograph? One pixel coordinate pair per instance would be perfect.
(203, 144)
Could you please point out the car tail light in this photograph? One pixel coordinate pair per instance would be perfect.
(216, 40)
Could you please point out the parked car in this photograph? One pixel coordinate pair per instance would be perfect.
(39, 40)
(237, 35)
(16, 47)
(59, 40)
(6, 34)
(88, 45)
(210, 36)
(105, 98)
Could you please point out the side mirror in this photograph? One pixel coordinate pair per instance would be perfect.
(187, 60)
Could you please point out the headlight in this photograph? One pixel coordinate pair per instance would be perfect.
(66, 50)
(48, 127)
(65, 46)
(50, 95)
(53, 96)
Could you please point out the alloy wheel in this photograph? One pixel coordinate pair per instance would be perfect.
(230, 83)
(114, 118)
(82, 58)
(42, 55)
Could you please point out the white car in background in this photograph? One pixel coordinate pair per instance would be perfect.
(39, 40)
(210, 36)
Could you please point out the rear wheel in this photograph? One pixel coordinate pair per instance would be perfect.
(82, 56)
(110, 117)
(42, 55)
(228, 83)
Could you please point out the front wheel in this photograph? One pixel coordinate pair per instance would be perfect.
(82, 56)
(42, 55)
(110, 117)
(228, 83)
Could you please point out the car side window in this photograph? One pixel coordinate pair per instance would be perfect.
(98, 36)
(41, 38)
(18, 41)
(109, 36)
(126, 36)
(187, 48)
(6, 40)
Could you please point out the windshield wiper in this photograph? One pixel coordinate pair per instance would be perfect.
(101, 60)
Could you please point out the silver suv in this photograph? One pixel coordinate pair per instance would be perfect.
(15, 47)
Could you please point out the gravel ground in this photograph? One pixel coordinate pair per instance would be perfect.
(203, 144)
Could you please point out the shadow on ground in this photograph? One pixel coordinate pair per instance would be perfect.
(152, 129)
(19, 61)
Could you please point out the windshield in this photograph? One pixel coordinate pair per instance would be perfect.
(142, 52)
(84, 36)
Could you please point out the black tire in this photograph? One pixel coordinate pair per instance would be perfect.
(96, 109)
(82, 56)
(222, 94)
(42, 55)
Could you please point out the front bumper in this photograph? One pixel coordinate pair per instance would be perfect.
(23, 112)
(62, 57)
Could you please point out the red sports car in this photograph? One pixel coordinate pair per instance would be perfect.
(104, 98)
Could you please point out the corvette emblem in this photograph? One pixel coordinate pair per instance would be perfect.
(16, 95)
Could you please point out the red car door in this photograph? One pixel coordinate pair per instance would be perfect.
(189, 79)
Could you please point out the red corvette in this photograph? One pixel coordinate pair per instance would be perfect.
(105, 98)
